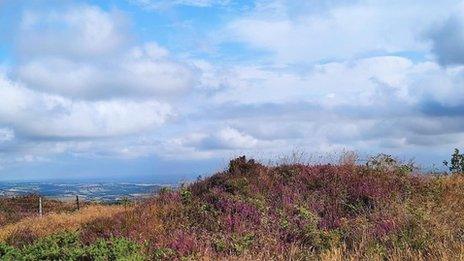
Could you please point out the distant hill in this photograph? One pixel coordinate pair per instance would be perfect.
(89, 191)
(380, 210)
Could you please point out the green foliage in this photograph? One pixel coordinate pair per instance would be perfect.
(165, 190)
(241, 165)
(186, 195)
(163, 254)
(312, 235)
(115, 249)
(234, 245)
(308, 215)
(7, 252)
(381, 161)
(415, 234)
(329, 238)
(385, 162)
(238, 186)
(376, 249)
(125, 201)
(456, 165)
(310, 232)
(67, 246)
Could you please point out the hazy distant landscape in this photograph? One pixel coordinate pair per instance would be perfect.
(104, 191)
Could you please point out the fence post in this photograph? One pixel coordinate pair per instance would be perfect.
(77, 202)
(40, 206)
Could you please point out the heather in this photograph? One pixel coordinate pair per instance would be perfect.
(375, 211)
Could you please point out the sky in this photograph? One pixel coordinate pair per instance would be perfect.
(174, 89)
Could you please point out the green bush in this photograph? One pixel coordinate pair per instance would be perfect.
(385, 162)
(456, 165)
(186, 195)
(64, 246)
(238, 186)
(67, 246)
(8, 252)
(115, 249)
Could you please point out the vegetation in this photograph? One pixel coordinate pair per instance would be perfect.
(13, 209)
(67, 246)
(456, 165)
(375, 211)
(31, 228)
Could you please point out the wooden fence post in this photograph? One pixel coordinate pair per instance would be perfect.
(77, 202)
(40, 207)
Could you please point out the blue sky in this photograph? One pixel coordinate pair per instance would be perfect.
(173, 89)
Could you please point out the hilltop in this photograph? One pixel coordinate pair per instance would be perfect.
(380, 210)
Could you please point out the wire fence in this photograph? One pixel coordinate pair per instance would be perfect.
(39, 205)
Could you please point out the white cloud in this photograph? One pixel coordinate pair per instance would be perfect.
(341, 31)
(350, 82)
(143, 71)
(41, 115)
(163, 4)
(206, 142)
(77, 30)
(385, 103)
(224, 139)
(6, 135)
(84, 52)
(229, 138)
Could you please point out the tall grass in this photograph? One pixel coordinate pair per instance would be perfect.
(31, 228)
(13, 209)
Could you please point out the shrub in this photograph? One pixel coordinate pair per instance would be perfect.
(241, 165)
(382, 162)
(66, 246)
(238, 186)
(115, 249)
(234, 244)
(456, 165)
(8, 252)
(186, 195)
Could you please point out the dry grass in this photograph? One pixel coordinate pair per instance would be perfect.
(55, 223)
(13, 209)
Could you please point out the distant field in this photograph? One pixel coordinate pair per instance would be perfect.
(103, 191)
(382, 210)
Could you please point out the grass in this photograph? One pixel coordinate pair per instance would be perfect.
(13, 209)
(54, 223)
(382, 210)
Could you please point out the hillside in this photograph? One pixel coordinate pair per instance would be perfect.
(382, 210)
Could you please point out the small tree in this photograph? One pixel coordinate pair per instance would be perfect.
(456, 165)
(387, 162)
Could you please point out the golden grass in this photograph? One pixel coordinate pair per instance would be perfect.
(55, 223)
(441, 252)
